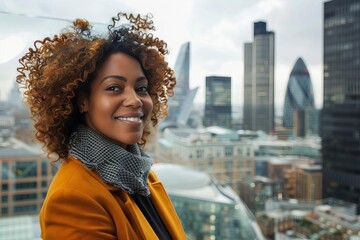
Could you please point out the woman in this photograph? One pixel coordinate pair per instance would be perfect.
(94, 100)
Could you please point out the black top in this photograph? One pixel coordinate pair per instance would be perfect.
(147, 208)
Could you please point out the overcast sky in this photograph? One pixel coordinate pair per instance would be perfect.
(216, 29)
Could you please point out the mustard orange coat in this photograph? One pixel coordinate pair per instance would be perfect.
(79, 205)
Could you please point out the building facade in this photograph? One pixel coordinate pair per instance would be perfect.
(24, 178)
(218, 102)
(182, 73)
(259, 80)
(299, 93)
(215, 151)
(206, 209)
(340, 118)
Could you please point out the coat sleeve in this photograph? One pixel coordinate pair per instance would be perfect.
(69, 214)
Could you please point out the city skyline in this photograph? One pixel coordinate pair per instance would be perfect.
(216, 31)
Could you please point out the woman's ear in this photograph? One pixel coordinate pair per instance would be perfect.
(83, 103)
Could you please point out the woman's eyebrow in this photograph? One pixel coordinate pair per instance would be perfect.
(121, 78)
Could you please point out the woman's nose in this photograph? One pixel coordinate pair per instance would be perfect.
(133, 100)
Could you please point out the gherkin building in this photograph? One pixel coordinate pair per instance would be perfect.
(299, 93)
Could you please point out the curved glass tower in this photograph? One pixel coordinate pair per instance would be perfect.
(299, 93)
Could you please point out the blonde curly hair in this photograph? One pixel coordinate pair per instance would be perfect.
(57, 69)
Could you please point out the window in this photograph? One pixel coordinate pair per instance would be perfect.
(24, 209)
(5, 187)
(25, 197)
(5, 171)
(44, 168)
(25, 185)
(228, 151)
(4, 211)
(4, 199)
(25, 169)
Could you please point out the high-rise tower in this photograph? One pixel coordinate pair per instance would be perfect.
(182, 73)
(218, 102)
(259, 80)
(299, 93)
(340, 120)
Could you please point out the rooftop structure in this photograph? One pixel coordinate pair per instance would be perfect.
(207, 210)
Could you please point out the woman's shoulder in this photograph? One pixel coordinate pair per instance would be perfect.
(75, 176)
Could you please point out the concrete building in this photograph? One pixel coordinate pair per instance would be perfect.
(259, 64)
(24, 178)
(216, 151)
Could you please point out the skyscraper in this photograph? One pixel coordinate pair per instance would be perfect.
(299, 93)
(340, 120)
(259, 80)
(182, 73)
(218, 102)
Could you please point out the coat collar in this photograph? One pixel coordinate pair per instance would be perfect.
(160, 199)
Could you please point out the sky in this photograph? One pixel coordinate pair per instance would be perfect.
(217, 31)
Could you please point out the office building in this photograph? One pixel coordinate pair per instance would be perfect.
(340, 118)
(299, 93)
(259, 80)
(206, 209)
(306, 122)
(216, 151)
(24, 178)
(218, 102)
(182, 74)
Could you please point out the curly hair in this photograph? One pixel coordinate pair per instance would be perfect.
(59, 68)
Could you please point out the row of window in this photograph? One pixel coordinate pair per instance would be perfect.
(23, 170)
(24, 185)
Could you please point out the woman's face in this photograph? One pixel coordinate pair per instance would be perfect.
(118, 104)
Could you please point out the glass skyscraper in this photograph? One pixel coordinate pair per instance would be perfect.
(340, 120)
(218, 102)
(299, 93)
(181, 90)
(259, 80)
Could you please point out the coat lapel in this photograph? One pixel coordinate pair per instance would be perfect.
(164, 208)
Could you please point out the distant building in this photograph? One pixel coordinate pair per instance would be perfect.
(206, 209)
(254, 191)
(340, 118)
(306, 122)
(24, 178)
(216, 151)
(309, 183)
(182, 73)
(299, 93)
(306, 148)
(218, 102)
(259, 80)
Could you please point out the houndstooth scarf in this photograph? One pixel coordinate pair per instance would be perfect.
(127, 169)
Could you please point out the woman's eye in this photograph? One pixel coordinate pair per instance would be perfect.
(142, 89)
(113, 88)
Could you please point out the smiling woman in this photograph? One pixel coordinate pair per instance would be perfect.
(93, 100)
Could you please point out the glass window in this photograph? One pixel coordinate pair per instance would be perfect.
(228, 151)
(24, 209)
(25, 185)
(43, 183)
(25, 169)
(44, 168)
(5, 171)
(4, 210)
(5, 187)
(4, 199)
(25, 197)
